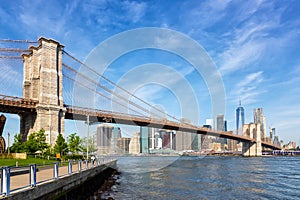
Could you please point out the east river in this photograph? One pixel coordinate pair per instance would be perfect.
(208, 177)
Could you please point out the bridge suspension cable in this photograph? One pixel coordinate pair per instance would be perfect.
(105, 88)
(13, 49)
(18, 41)
(121, 88)
(101, 94)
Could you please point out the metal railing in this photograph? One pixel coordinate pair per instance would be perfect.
(17, 101)
(58, 172)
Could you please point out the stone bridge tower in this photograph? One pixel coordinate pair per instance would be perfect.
(252, 148)
(43, 82)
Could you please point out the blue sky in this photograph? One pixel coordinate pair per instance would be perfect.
(255, 46)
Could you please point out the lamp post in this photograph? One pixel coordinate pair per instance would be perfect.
(8, 137)
(88, 135)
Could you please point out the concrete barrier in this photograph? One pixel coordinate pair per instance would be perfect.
(54, 188)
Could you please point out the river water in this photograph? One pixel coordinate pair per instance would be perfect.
(209, 177)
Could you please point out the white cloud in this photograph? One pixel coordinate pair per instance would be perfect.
(254, 77)
(136, 10)
(240, 55)
(248, 43)
(248, 90)
(209, 12)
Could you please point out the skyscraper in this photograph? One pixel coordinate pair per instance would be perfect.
(151, 137)
(220, 122)
(134, 145)
(104, 135)
(114, 139)
(183, 139)
(240, 119)
(144, 135)
(260, 118)
(221, 126)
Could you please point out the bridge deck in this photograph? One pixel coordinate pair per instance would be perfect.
(17, 105)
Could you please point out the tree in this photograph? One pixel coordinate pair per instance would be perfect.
(90, 142)
(60, 146)
(74, 143)
(18, 145)
(36, 142)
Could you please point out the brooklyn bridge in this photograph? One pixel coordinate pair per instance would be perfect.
(47, 66)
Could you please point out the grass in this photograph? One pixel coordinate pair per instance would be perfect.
(12, 162)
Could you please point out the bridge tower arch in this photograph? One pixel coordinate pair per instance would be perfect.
(43, 82)
(252, 148)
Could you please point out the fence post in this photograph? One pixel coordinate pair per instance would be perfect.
(79, 165)
(5, 181)
(86, 164)
(70, 167)
(32, 175)
(55, 170)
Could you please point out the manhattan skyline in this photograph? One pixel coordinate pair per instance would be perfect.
(254, 45)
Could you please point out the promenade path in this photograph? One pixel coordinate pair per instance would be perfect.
(43, 175)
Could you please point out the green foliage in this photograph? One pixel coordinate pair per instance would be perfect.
(17, 146)
(26, 162)
(73, 157)
(60, 146)
(90, 143)
(74, 143)
(36, 142)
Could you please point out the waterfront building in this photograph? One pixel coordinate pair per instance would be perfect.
(216, 146)
(221, 126)
(114, 139)
(123, 145)
(168, 140)
(276, 141)
(159, 143)
(206, 143)
(134, 145)
(103, 138)
(144, 139)
(157, 139)
(232, 145)
(290, 145)
(261, 119)
(183, 139)
(196, 142)
(240, 119)
(206, 140)
(220, 122)
(151, 137)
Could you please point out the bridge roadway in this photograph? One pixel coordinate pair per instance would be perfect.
(16, 105)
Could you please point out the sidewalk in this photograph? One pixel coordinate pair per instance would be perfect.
(20, 181)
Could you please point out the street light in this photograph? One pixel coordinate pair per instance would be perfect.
(8, 136)
(88, 135)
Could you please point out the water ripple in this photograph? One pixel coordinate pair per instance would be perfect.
(210, 178)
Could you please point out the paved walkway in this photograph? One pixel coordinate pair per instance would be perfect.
(20, 181)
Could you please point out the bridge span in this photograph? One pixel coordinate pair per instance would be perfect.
(16, 105)
(43, 106)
